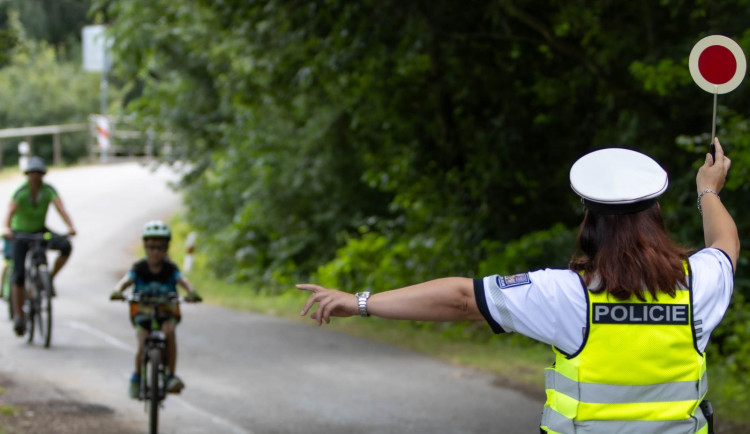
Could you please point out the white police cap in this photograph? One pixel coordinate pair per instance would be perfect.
(618, 181)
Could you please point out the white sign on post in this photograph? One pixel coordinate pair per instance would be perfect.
(102, 132)
(95, 45)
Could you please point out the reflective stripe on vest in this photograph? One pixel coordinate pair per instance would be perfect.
(638, 371)
(559, 424)
(618, 394)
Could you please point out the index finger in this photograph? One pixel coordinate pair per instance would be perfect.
(719, 150)
(309, 287)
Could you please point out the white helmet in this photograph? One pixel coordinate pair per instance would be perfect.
(35, 164)
(156, 229)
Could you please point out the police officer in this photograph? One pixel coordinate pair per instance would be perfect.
(628, 321)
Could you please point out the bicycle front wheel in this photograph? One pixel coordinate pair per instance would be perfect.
(8, 287)
(44, 313)
(30, 310)
(152, 371)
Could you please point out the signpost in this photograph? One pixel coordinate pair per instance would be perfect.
(96, 59)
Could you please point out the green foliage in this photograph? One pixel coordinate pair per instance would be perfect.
(8, 34)
(57, 22)
(663, 78)
(435, 122)
(729, 361)
(732, 339)
(374, 262)
(551, 248)
(37, 90)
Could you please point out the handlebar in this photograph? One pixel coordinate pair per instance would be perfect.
(154, 299)
(37, 236)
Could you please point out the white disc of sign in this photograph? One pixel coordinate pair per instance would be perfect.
(717, 64)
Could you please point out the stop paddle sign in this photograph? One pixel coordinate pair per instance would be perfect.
(717, 64)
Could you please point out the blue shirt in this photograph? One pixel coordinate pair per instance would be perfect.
(149, 283)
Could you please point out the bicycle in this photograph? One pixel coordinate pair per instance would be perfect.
(153, 361)
(38, 286)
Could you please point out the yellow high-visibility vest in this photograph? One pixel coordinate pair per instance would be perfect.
(638, 371)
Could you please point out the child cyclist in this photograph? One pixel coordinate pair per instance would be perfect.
(156, 275)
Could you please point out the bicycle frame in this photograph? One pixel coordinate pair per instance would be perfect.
(153, 388)
(155, 341)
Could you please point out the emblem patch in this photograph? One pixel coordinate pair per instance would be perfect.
(514, 280)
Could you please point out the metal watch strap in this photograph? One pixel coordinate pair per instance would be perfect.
(700, 196)
(362, 302)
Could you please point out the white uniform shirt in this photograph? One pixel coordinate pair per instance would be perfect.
(550, 305)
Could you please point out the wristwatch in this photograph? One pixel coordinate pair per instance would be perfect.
(362, 302)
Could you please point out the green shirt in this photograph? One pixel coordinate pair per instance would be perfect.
(30, 215)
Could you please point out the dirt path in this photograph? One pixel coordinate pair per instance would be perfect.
(29, 406)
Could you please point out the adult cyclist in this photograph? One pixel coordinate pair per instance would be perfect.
(27, 213)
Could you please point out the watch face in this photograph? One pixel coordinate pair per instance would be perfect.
(362, 302)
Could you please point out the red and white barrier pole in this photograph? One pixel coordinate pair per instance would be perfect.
(187, 263)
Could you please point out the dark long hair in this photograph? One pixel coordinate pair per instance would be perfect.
(629, 254)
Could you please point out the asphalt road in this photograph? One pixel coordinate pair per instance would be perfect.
(245, 373)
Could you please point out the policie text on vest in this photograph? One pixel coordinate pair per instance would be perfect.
(628, 313)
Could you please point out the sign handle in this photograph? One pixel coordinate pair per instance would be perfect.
(711, 147)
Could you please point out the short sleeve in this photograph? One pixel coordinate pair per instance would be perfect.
(173, 270)
(18, 192)
(546, 305)
(712, 285)
(51, 192)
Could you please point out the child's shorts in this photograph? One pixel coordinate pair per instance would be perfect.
(142, 316)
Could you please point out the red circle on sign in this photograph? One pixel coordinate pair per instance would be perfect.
(717, 64)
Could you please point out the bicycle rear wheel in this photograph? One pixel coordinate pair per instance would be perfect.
(44, 305)
(153, 398)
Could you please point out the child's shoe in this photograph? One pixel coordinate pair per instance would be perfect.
(174, 384)
(134, 389)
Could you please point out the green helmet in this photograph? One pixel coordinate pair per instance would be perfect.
(156, 229)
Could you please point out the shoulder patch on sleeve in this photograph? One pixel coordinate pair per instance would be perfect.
(514, 280)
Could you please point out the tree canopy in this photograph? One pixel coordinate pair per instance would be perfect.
(41, 82)
(442, 126)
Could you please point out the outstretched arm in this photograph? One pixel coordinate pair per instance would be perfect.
(719, 229)
(124, 283)
(183, 282)
(447, 299)
(64, 214)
